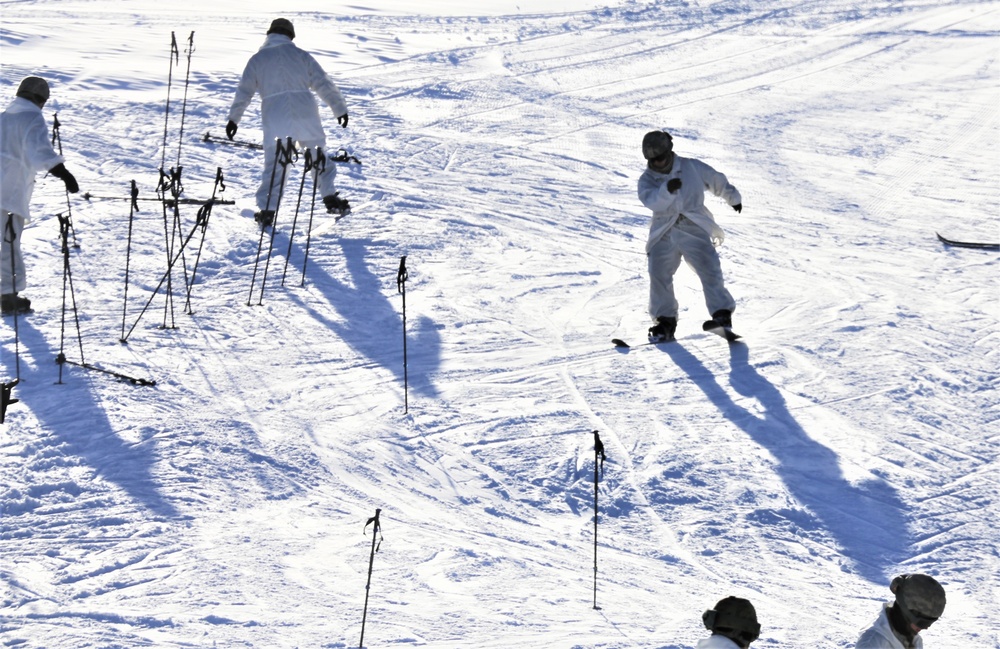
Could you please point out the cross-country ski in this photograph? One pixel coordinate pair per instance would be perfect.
(969, 244)
(246, 144)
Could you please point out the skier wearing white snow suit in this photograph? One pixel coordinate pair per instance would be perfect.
(682, 228)
(920, 601)
(25, 149)
(733, 623)
(286, 78)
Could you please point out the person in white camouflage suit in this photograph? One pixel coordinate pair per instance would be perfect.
(25, 149)
(286, 77)
(920, 601)
(682, 228)
(733, 623)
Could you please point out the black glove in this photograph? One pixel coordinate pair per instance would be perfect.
(738, 207)
(60, 172)
(342, 120)
(231, 129)
(673, 185)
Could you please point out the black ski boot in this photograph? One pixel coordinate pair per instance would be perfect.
(336, 205)
(11, 304)
(724, 317)
(721, 324)
(264, 217)
(663, 330)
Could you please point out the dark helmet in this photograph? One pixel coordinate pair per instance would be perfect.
(919, 597)
(34, 89)
(282, 26)
(656, 143)
(734, 618)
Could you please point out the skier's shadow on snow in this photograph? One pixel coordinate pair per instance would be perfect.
(60, 407)
(372, 326)
(865, 519)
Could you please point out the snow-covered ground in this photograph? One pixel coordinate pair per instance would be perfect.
(851, 438)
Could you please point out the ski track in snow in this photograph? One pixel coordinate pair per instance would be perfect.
(851, 438)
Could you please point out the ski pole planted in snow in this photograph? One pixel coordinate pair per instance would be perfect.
(308, 165)
(599, 458)
(67, 283)
(187, 83)
(171, 183)
(57, 141)
(174, 55)
(401, 277)
(284, 154)
(133, 208)
(201, 221)
(376, 534)
(319, 166)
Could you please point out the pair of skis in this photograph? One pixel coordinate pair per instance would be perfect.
(341, 156)
(710, 326)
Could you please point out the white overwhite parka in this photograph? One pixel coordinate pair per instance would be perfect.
(286, 76)
(717, 642)
(25, 149)
(689, 200)
(880, 635)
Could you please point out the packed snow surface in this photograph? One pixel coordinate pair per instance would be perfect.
(852, 437)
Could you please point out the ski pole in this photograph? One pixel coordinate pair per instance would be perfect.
(57, 140)
(319, 166)
(201, 220)
(598, 459)
(295, 218)
(163, 279)
(128, 253)
(174, 54)
(401, 276)
(170, 228)
(67, 282)
(376, 532)
(187, 82)
(291, 153)
(282, 156)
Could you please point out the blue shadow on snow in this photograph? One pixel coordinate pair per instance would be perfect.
(84, 431)
(866, 519)
(372, 326)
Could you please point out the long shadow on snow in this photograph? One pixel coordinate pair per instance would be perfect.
(78, 424)
(372, 326)
(865, 519)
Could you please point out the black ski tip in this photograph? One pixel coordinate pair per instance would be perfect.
(980, 245)
(621, 344)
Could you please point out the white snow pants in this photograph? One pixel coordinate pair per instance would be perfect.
(692, 243)
(270, 183)
(10, 248)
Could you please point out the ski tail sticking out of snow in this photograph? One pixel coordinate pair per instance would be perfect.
(969, 244)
